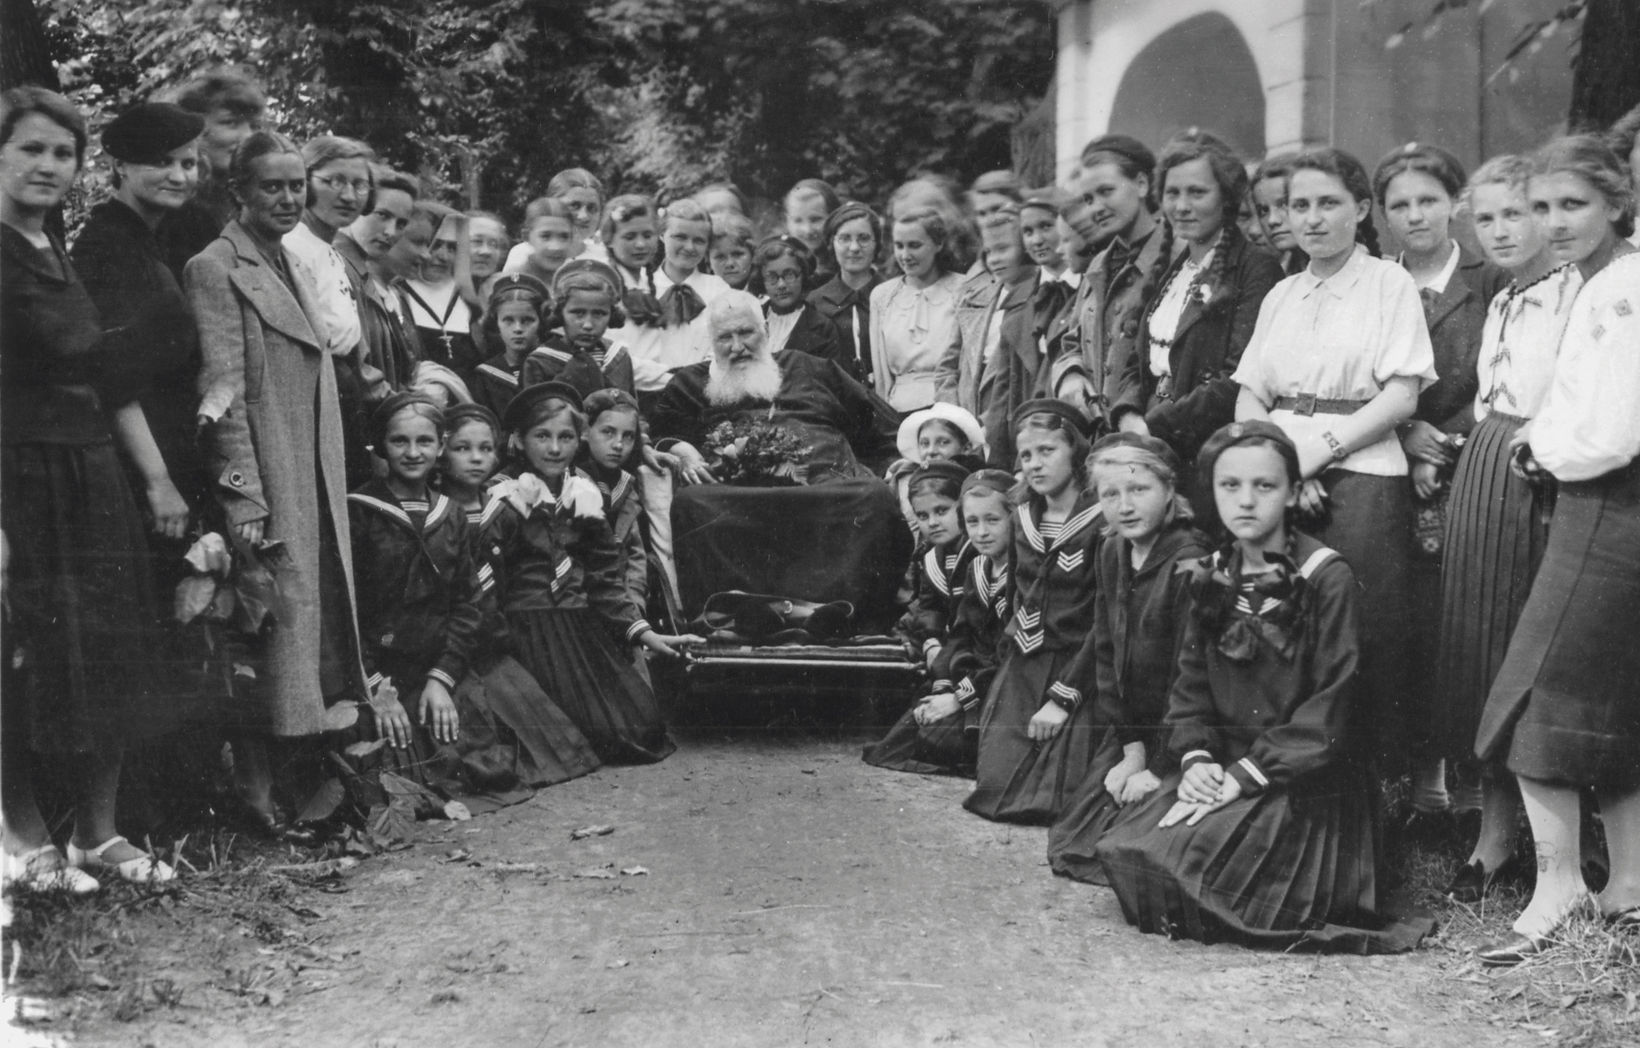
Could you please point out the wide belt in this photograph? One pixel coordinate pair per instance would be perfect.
(1310, 404)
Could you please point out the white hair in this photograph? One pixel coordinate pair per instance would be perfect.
(732, 303)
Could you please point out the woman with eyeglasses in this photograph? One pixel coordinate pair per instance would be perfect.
(271, 430)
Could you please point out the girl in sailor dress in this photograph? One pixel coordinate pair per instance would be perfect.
(561, 593)
(1037, 733)
(969, 580)
(513, 320)
(586, 296)
(512, 734)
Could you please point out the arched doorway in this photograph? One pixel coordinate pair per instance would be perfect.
(1197, 74)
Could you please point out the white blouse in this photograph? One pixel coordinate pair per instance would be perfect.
(910, 329)
(1164, 319)
(781, 326)
(1340, 338)
(324, 273)
(1588, 425)
(1521, 341)
(656, 351)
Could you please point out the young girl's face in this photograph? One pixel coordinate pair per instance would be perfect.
(1324, 213)
(1039, 228)
(411, 447)
(486, 246)
(1504, 226)
(1419, 211)
(586, 316)
(549, 446)
(612, 436)
(584, 208)
(806, 220)
(914, 250)
(1045, 457)
(686, 242)
(1247, 221)
(518, 324)
(732, 261)
(1253, 492)
(1573, 214)
(1270, 204)
(783, 281)
(939, 441)
(1192, 201)
(633, 243)
(855, 246)
(550, 240)
(990, 524)
(937, 518)
(1135, 501)
(469, 455)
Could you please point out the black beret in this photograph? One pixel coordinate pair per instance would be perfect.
(146, 132)
(997, 479)
(394, 404)
(1051, 406)
(1240, 433)
(944, 469)
(458, 415)
(1125, 146)
(524, 403)
(519, 282)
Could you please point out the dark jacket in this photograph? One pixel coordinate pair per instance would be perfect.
(817, 335)
(1200, 395)
(1020, 360)
(974, 641)
(1054, 587)
(935, 579)
(844, 306)
(419, 594)
(558, 359)
(1456, 320)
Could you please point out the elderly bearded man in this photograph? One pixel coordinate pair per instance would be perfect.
(840, 421)
(835, 536)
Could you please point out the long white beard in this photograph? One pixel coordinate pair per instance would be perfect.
(757, 381)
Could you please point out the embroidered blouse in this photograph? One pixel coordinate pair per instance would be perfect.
(1521, 342)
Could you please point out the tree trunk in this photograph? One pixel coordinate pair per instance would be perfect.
(1606, 79)
(25, 52)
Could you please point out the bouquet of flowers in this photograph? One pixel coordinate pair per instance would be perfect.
(756, 453)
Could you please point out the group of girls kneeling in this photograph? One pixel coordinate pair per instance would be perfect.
(1213, 774)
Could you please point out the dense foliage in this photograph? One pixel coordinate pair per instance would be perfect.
(490, 97)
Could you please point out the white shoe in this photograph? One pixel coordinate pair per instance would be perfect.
(144, 869)
(44, 870)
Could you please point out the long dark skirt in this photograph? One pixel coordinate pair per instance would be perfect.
(81, 602)
(1291, 867)
(1017, 779)
(947, 747)
(1565, 707)
(570, 652)
(1497, 528)
(1369, 523)
(1090, 812)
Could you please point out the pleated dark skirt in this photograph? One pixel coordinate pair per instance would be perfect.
(1089, 813)
(1290, 868)
(1016, 779)
(570, 653)
(82, 606)
(1369, 523)
(1565, 707)
(947, 747)
(513, 735)
(1496, 530)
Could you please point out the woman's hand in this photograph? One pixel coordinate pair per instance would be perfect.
(1426, 480)
(1047, 722)
(438, 711)
(1314, 454)
(937, 707)
(1428, 444)
(1138, 786)
(673, 646)
(1521, 461)
(1190, 812)
(1312, 498)
(169, 509)
(392, 723)
(1200, 783)
(252, 531)
(1131, 764)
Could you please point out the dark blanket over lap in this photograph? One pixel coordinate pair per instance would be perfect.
(843, 540)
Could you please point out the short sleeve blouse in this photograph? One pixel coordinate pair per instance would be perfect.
(1340, 338)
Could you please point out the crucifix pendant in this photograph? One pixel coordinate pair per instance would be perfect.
(446, 338)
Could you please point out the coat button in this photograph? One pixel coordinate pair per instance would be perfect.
(237, 479)
(387, 640)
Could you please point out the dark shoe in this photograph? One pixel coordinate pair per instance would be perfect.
(1472, 881)
(1514, 950)
(269, 824)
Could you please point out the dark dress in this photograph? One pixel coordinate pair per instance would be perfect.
(559, 360)
(567, 611)
(1267, 693)
(1049, 658)
(1138, 627)
(850, 311)
(1497, 523)
(1456, 318)
(79, 594)
(387, 354)
(938, 580)
(495, 382)
(148, 325)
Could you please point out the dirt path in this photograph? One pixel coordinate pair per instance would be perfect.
(793, 896)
